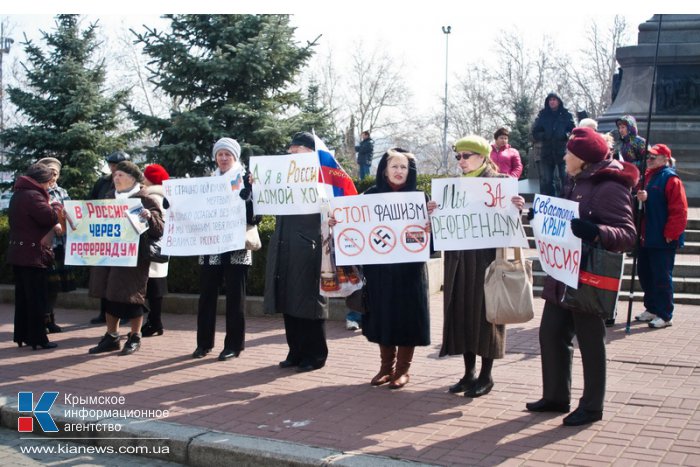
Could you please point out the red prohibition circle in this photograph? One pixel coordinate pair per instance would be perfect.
(405, 235)
(389, 242)
(355, 240)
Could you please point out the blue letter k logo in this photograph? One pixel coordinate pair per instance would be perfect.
(41, 410)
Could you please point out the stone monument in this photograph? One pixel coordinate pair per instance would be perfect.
(675, 117)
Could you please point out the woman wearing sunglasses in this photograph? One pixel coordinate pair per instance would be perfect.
(465, 330)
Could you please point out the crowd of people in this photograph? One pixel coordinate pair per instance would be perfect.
(574, 162)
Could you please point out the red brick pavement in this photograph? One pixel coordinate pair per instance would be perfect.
(651, 413)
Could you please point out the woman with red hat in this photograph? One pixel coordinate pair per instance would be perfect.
(602, 187)
(157, 286)
(663, 224)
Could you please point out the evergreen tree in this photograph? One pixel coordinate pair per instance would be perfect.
(227, 75)
(520, 133)
(68, 115)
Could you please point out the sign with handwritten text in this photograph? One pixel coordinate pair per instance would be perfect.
(475, 213)
(286, 184)
(99, 232)
(557, 247)
(381, 228)
(206, 215)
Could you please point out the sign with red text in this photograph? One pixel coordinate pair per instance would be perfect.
(476, 213)
(557, 247)
(206, 215)
(380, 228)
(100, 233)
(286, 184)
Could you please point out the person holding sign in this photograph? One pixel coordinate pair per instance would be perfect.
(32, 218)
(292, 280)
(466, 331)
(124, 288)
(602, 188)
(231, 266)
(398, 314)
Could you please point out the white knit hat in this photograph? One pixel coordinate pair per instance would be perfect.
(229, 144)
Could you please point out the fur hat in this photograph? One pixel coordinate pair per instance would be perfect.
(156, 173)
(130, 168)
(41, 173)
(473, 143)
(304, 138)
(660, 150)
(51, 162)
(587, 145)
(230, 144)
(588, 123)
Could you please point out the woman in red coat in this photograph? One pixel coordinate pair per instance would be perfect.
(32, 219)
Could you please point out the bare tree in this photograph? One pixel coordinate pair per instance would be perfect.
(591, 75)
(377, 90)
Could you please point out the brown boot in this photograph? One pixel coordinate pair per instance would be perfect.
(403, 363)
(388, 355)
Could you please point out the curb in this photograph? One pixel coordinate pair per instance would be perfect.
(196, 446)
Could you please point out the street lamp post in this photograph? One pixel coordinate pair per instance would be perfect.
(446, 30)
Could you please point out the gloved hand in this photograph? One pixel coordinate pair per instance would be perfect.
(584, 230)
(530, 214)
(244, 193)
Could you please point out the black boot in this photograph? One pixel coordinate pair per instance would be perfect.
(51, 326)
(106, 344)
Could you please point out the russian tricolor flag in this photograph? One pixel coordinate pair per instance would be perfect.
(332, 174)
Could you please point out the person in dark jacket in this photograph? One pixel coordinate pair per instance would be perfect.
(365, 152)
(104, 189)
(466, 331)
(124, 288)
(32, 220)
(292, 280)
(398, 312)
(602, 187)
(231, 267)
(663, 226)
(551, 130)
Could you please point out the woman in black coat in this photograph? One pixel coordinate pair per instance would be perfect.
(397, 317)
(32, 219)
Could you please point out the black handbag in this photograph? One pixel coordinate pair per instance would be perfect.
(154, 252)
(600, 277)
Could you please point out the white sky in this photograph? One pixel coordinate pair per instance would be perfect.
(409, 32)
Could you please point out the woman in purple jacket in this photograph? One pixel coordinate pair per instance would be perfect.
(32, 219)
(602, 187)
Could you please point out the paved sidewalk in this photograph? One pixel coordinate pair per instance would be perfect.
(651, 414)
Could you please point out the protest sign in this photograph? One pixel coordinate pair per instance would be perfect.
(206, 215)
(286, 184)
(380, 228)
(476, 213)
(99, 233)
(557, 247)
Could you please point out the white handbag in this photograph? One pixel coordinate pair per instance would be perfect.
(252, 238)
(508, 289)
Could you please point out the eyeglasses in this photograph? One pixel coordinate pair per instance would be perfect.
(465, 155)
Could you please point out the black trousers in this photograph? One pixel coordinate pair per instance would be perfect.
(557, 330)
(306, 339)
(210, 277)
(31, 304)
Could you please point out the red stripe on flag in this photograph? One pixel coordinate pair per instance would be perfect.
(599, 282)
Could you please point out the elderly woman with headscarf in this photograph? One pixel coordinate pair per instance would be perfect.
(157, 286)
(32, 218)
(124, 288)
(231, 267)
(60, 276)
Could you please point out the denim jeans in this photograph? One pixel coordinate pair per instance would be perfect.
(364, 171)
(548, 185)
(354, 316)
